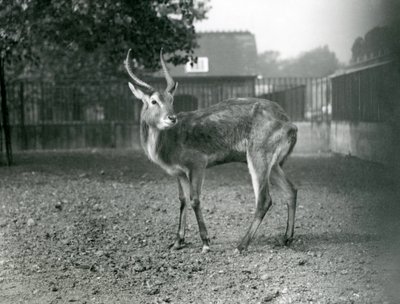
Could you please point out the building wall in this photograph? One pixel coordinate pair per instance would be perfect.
(370, 141)
(312, 138)
(366, 140)
(365, 110)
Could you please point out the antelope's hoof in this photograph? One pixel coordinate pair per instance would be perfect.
(240, 249)
(287, 240)
(205, 249)
(177, 245)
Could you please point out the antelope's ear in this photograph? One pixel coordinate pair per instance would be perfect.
(137, 92)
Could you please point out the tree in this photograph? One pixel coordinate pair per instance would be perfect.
(108, 28)
(92, 31)
(318, 62)
(358, 49)
(377, 42)
(269, 63)
(14, 46)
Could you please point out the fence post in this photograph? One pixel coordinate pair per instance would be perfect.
(24, 143)
(5, 114)
(253, 87)
(1, 137)
(113, 135)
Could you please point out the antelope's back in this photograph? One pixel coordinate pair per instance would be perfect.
(227, 125)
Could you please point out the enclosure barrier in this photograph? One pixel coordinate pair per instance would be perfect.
(365, 113)
(88, 114)
(365, 94)
(304, 99)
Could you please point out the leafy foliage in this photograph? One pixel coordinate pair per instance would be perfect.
(66, 33)
(269, 63)
(377, 42)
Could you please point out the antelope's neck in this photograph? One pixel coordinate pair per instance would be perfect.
(154, 144)
(150, 139)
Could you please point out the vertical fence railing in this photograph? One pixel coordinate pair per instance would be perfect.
(304, 99)
(366, 94)
(47, 103)
(47, 115)
(43, 112)
(93, 102)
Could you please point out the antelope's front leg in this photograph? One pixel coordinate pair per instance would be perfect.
(184, 189)
(196, 181)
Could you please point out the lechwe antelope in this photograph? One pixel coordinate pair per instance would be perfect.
(250, 130)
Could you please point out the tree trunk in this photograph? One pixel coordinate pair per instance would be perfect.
(1, 141)
(4, 111)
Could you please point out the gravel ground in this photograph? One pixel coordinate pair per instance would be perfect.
(94, 227)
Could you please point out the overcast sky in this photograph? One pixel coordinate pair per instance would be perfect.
(295, 26)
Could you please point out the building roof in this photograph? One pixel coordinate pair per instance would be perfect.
(229, 54)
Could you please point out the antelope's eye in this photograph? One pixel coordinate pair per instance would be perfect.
(153, 101)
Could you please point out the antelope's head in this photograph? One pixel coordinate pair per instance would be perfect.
(158, 108)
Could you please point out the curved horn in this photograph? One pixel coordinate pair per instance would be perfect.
(128, 68)
(170, 81)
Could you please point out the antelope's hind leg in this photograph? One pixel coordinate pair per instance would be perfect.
(259, 168)
(184, 192)
(290, 195)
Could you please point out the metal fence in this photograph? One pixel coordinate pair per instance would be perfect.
(304, 99)
(67, 116)
(367, 94)
(48, 103)
(207, 91)
(105, 114)
(46, 115)
(88, 102)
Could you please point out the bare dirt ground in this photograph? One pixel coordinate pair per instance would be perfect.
(94, 227)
